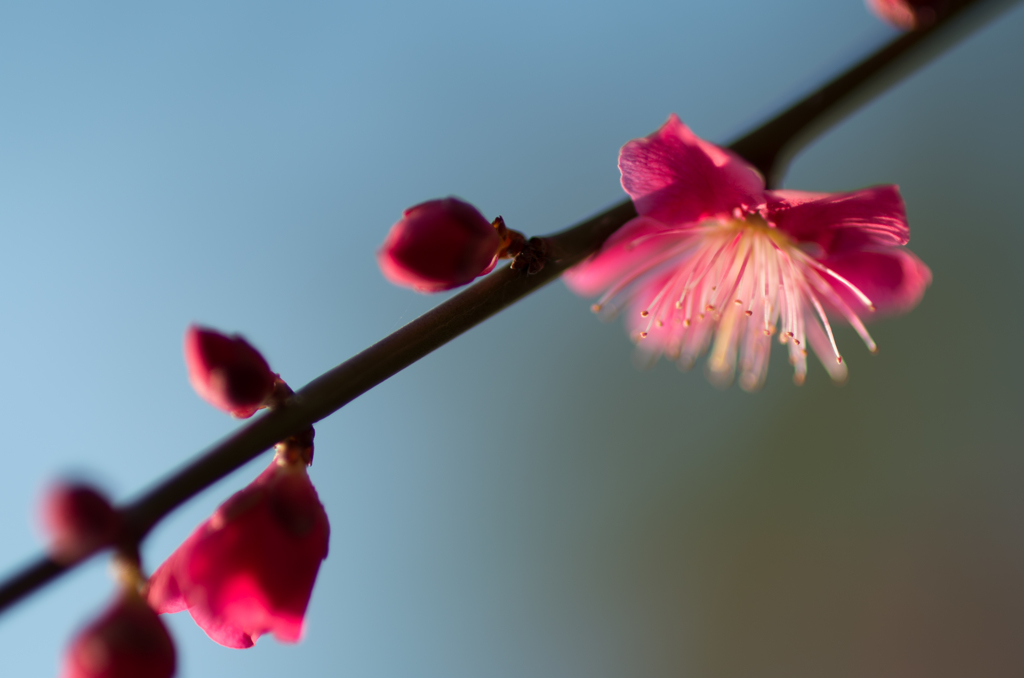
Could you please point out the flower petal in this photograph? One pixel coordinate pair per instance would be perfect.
(675, 177)
(250, 568)
(164, 594)
(842, 222)
(637, 246)
(894, 280)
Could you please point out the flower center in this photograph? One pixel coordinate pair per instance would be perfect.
(755, 225)
(728, 286)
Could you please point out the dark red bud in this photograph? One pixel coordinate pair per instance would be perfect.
(439, 245)
(128, 641)
(227, 372)
(79, 521)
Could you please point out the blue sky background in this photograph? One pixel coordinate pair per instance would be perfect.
(523, 501)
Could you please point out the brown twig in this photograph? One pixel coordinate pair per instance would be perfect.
(768, 147)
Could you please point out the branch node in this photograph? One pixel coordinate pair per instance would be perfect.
(532, 257)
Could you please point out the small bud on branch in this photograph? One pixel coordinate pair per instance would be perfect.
(79, 521)
(127, 641)
(227, 372)
(910, 14)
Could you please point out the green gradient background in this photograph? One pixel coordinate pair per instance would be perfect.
(522, 502)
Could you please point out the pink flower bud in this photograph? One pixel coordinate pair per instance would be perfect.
(909, 14)
(128, 641)
(79, 521)
(227, 372)
(439, 245)
(250, 568)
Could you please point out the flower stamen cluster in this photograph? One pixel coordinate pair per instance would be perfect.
(749, 281)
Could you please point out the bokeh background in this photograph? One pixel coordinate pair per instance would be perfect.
(523, 502)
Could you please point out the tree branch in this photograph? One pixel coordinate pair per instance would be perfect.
(769, 148)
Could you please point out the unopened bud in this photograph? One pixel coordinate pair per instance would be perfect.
(79, 521)
(909, 14)
(227, 372)
(128, 641)
(439, 245)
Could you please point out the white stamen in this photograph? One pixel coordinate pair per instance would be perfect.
(824, 321)
(853, 288)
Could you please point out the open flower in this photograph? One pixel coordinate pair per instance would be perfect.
(715, 256)
(250, 568)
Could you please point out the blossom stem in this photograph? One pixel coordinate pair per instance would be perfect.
(768, 147)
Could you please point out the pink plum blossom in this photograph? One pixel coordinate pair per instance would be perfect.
(438, 245)
(250, 568)
(227, 372)
(127, 641)
(716, 261)
(909, 14)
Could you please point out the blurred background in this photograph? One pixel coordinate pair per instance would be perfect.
(523, 502)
